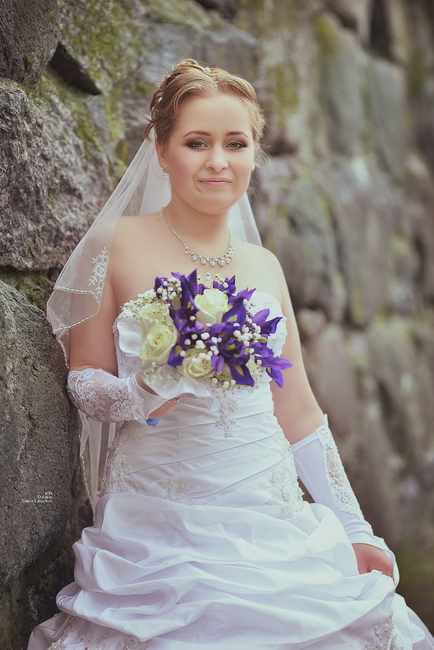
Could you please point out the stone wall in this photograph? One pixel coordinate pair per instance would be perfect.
(345, 198)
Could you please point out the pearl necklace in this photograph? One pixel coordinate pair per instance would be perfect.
(226, 258)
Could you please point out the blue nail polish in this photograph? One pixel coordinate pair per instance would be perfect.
(152, 422)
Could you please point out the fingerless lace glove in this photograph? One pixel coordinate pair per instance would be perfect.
(320, 468)
(106, 398)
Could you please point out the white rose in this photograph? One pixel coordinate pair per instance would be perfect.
(158, 343)
(212, 304)
(152, 313)
(196, 365)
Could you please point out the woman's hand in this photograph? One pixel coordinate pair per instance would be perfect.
(166, 408)
(370, 558)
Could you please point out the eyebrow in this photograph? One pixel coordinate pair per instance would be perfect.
(209, 134)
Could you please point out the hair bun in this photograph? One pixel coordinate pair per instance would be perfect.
(191, 79)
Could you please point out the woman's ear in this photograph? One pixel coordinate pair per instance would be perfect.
(161, 153)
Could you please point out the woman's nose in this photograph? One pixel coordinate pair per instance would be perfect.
(216, 159)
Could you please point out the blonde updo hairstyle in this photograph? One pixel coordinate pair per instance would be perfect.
(189, 79)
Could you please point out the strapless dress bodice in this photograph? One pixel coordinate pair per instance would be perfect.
(193, 458)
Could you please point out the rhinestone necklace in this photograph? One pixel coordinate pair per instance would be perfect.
(226, 258)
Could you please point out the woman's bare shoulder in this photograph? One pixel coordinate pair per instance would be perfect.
(135, 232)
(259, 267)
(258, 253)
(131, 224)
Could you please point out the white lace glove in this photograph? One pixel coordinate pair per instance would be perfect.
(106, 398)
(320, 468)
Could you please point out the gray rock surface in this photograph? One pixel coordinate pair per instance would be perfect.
(359, 189)
(299, 229)
(342, 85)
(228, 8)
(29, 33)
(354, 15)
(37, 431)
(62, 178)
(389, 111)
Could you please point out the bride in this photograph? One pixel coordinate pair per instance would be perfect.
(201, 536)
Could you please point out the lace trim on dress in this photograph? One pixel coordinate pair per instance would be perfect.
(117, 466)
(385, 638)
(284, 481)
(102, 396)
(341, 491)
(172, 489)
(176, 489)
(129, 642)
(228, 406)
(70, 626)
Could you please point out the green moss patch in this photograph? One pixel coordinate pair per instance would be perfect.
(416, 567)
(178, 12)
(36, 287)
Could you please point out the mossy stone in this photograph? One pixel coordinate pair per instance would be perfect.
(342, 87)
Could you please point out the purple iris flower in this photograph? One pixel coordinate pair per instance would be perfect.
(267, 327)
(274, 366)
(159, 282)
(217, 363)
(189, 288)
(241, 375)
(175, 358)
(244, 294)
(181, 318)
(230, 288)
(237, 314)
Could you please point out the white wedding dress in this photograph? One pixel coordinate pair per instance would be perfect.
(202, 541)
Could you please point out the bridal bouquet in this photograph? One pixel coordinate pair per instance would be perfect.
(204, 333)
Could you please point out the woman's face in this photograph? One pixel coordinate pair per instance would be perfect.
(210, 154)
